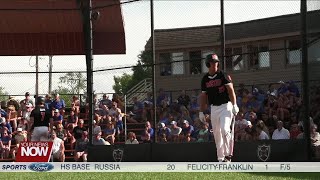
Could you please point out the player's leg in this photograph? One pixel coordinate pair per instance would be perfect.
(225, 119)
(217, 132)
(36, 134)
(44, 133)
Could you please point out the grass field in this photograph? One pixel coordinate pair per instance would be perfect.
(161, 176)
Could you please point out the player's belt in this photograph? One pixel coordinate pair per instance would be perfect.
(220, 104)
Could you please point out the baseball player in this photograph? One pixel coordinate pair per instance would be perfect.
(40, 120)
(217, 91)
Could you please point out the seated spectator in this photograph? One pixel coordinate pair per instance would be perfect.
(61, 133)
(12, 116)
(262, 135)
(105, 104)
(148, 131)
(75, 105)
(72, 119)
(20, 136)
(294, 131)
(96, 128)
(78, 130)
(203, 135)
(81, 148)
(280, 132)
(58, 104)
(57, 118)
(4, 126)
(57, 148)
(185, 115)
(147, 113)
(23, 124)
(240, 126)
(99, 141)
(163, 130)
(184, 99)
(175, 132)
(249, 133)
(47, 102)
(119, 101)
(263, 127)
(5, 144)
(282, 110)
(70, 137)
(187, 131)
(132, 139)
(109, 132)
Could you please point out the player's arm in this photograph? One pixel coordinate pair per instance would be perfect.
(232, 95)
(203, 100)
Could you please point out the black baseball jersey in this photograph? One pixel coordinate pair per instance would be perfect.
(215, 88)
(41, 116)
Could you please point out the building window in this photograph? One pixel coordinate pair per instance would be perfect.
(234, 59)
(293, 51)
(203, 62)
(258, 56)
(165, 64)
(177, 63)
(195, 62)
(171, 63)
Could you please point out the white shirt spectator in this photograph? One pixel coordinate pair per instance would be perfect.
(56, 145)
(135, 141)
(263, 135)
(282, 134)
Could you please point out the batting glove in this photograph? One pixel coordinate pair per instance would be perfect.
(235, 109)
(202, 117)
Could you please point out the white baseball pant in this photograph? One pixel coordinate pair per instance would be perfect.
(221, 117)
(40, 133)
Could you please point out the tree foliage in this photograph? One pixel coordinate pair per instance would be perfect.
(141, 71)
(71, 84)
(3, 94)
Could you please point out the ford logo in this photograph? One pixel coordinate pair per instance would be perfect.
(41, 167)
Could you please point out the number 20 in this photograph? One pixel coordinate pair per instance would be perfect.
(171, 167)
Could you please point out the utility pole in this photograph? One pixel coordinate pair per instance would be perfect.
(37, 76)
(50, 75)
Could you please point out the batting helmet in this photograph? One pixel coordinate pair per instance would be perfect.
(40, 100)
(211, 58)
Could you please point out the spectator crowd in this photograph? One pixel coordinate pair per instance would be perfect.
(275, 113)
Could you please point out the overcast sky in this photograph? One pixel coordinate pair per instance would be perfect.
(168, 14)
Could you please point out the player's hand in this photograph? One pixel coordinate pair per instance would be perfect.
(202, 117)
(235, 109)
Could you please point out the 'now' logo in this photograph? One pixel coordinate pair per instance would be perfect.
(34, 152)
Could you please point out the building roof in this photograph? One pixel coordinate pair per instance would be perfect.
(248, 29)
(54, 27)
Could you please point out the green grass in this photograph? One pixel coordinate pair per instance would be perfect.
(162, 176)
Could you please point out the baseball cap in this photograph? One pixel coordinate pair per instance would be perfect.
(27, 94)
(173, 123)
(94, 121)
(56, 110)
(213, 58)
(19, 129)
(249, 123)
(185, 122)
(162, 125)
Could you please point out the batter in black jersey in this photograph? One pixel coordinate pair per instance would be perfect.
(214, 86)
(218, 93)
(40, 121)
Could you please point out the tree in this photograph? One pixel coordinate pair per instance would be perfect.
(3, 94)
(141, 71)
(71, 84)
(75, 83)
